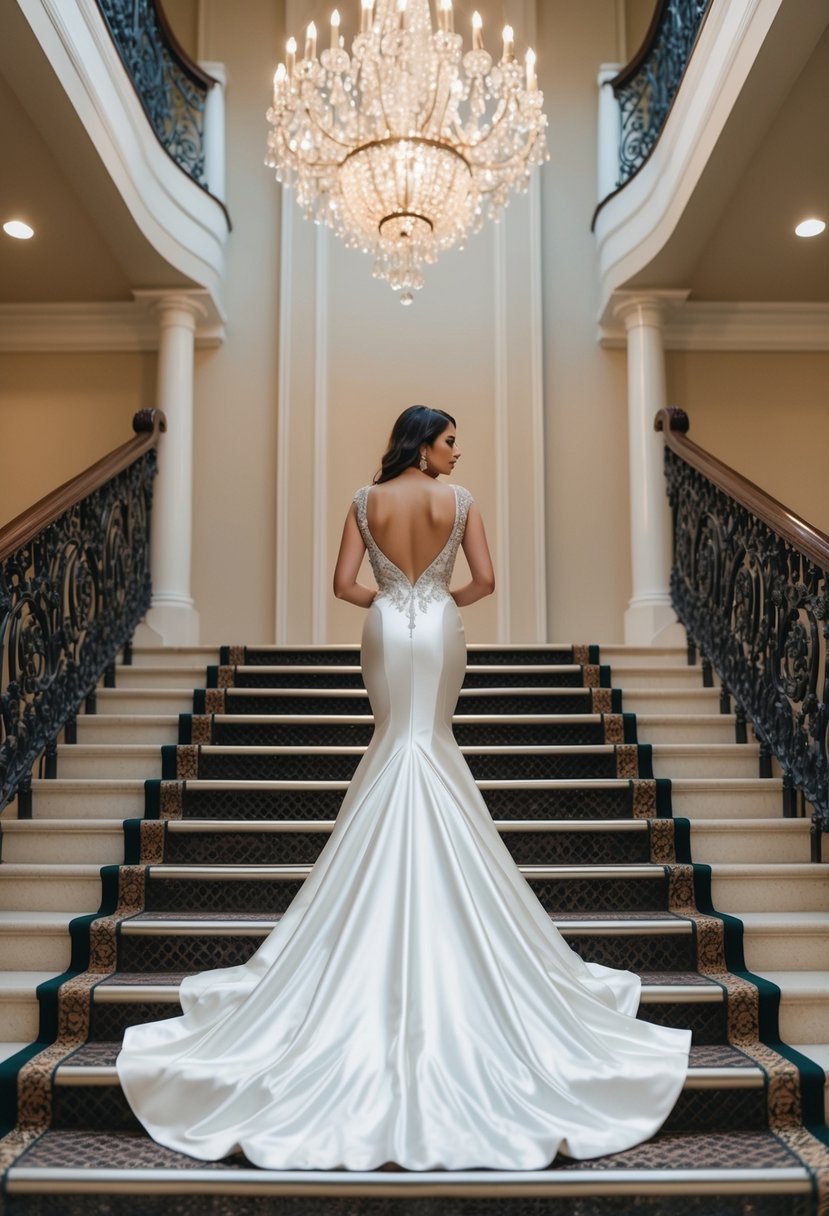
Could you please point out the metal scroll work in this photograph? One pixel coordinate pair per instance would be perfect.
(70, 598)
(170, 89)
(757, 607)
(646, 90)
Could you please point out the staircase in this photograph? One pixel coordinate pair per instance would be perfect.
(190, 819)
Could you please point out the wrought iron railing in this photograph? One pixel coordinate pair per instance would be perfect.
(74, 583)
(170, 86)
(750, 583)
(646, 88)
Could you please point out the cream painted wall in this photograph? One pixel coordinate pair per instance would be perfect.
(766, 415)
(77, 407)
(61, 413)
(236, 384)
(354, 358)
(586, 421)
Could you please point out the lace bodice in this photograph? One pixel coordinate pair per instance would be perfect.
(433, 583)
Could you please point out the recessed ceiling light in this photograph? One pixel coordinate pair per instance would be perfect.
(810, 227)
(18, 229)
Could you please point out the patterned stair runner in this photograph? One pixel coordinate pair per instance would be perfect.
(235, 815)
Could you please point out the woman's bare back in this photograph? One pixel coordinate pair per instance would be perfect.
(411, 518)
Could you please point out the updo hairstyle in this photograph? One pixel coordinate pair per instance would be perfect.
(416, 426)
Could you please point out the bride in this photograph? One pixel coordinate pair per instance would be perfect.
(415, 1004)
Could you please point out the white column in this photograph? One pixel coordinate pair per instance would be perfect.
(609, 133)
(172, 613)
(649, 616)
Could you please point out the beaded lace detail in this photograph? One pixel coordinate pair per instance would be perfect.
(433, 583)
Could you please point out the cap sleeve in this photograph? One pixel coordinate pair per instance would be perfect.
(465, 501)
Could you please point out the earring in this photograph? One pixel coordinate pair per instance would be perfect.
(424, 464)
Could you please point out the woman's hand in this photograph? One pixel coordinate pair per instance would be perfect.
(476, 550)
(349, 560)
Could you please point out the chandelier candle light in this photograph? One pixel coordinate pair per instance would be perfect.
(407, 145)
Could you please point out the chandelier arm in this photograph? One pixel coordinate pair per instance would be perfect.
(380, 95)
(425, 125)
(328, 136)
(495, 125)
(504, 164)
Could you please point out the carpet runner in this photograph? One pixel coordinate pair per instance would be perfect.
(235, 815)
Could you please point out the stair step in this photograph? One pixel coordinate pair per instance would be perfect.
(36, 939)
(691, 797)
(804, 1004)
(790, 941)
(19, 1010)
(94, 1065)
(60, 1164)
(194, 657)
(741, 888)
(619, 657)
(751, 840)
(39, 888)
(194, 841)
(672, 701)
(48, 841)
(636, 677)
(163, 675)
(144, 729)
(685, 728)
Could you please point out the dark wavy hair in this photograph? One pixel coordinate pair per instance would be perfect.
(415, 426)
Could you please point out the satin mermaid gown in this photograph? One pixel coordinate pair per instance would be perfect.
(414, 1004)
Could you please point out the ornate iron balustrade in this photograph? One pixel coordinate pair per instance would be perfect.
(646, 88)
(750, 583)
(170, 86)
(74, 583)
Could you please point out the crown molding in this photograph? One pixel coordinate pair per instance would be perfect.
(106, 326)
(725, 325)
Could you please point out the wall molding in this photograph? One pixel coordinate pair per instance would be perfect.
(700, 325)
(321, 575)
(128, 325)
(286, 225)
(502, 429)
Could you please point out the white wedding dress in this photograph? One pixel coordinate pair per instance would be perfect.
(414, 1004)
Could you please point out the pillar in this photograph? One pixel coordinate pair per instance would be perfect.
(649, 617)
(172, 613)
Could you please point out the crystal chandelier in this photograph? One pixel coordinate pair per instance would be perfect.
(405, 146)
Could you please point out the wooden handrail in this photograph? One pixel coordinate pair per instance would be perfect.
(147, 424)
(632, 66)
(188, 65)
(790, 527)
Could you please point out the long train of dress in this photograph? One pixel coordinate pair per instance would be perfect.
(414, 1004)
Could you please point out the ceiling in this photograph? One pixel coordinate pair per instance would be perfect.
(88, 248)
(753, 253)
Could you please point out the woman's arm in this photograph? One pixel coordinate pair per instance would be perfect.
(476, 550)
(349, 560)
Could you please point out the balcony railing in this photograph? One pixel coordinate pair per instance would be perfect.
(750, 583)
(171, 87)
(74, 583)
(635, 103)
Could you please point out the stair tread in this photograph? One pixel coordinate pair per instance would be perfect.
(596, 921)
(22, 982)
(192, 824)
(800, 983)
(662, 1162)
(717, 1057)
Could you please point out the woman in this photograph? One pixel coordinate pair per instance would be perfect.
(415, 1004)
